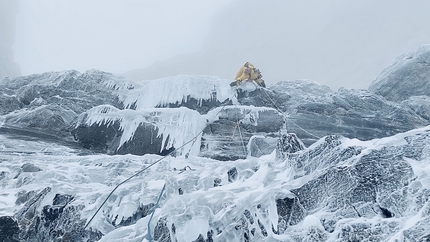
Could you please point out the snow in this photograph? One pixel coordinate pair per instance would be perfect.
(91, 177)
(312, 222)
(180, 124)
(153, 93)
(201, 205)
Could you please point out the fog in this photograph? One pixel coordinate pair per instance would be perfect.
(8, 67)
(334, 42)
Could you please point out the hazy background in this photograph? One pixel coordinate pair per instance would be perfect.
(8, 10)
(333, 42)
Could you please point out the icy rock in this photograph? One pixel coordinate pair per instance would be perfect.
(420, 105)
(232, 174)
(106, 138)
(289, 213)
(287, 144)
(27, 167)
(70, 89)
(227, 138)
(45, 105)
(44, 121)
(408, 76)
(351, 113)
(139, 132)
(260, 145)
(142, 211)
(61, 219)
(9, 104)
(161, 231)
(24, 196)
(197, 92)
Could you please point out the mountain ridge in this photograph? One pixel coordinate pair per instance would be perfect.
(295, 161)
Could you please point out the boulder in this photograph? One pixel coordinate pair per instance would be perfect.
(408, 76)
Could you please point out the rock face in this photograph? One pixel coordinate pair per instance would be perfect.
(71, 107)
(408, 76)
(54, 221)
(228, 137)
(48, 104)
(315, 112)
(293, 162)
(379, 183)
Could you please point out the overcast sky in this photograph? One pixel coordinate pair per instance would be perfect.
(333, 42)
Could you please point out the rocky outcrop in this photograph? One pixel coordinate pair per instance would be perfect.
(299, 161)
(46, 105)
(58, 105)
(59, 220)
(228, 137)
(313, 111)
(408, 76)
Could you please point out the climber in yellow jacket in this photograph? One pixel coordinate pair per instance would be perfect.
(248, 73)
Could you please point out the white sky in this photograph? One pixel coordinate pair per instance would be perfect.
(114, 36)
(334, 42)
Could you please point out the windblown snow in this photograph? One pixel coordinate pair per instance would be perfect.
(203, 198)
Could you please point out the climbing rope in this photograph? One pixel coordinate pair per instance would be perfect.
(285, 115)
(188, 153)
(175, 149)
(152, 215)
(241, 137)
(152, 164)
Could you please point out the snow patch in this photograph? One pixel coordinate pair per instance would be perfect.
(177, 89)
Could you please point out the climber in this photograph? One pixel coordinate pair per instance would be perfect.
(248, 73)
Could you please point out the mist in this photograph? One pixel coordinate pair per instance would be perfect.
(8, 67)
(335, 43)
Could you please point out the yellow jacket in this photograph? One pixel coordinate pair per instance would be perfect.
(246, 73)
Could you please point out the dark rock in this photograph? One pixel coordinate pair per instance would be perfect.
(142, 211)
(161, 231)
(287, 144)
(3, 175)
(201, 106)
(106, 138)
(217, 182)
(98, 136)
(232, 174)
(9, 229)
(289, 213)
(59, 220)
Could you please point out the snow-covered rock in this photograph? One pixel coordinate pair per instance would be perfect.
(408, 76)
(293, 162)
(228, 136)
(338, 189)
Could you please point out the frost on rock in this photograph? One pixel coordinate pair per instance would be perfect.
(227, 136)
(288, 143)
(408, 76)
(292, 162)
(201, 93)
(335, 190)
(138, 131)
